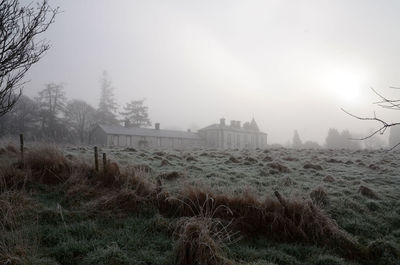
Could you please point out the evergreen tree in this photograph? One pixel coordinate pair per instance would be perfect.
(136, 114)
(333, 139)
(347, 142)
(106, 112)
(296, 140)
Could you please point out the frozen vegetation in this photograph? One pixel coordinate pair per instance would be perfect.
(273, 206)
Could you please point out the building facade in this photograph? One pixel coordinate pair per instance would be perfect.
(233, 136)
(216, 136)
(112, 135)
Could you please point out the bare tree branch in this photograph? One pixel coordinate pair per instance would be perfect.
(19, 47)
(384, 103)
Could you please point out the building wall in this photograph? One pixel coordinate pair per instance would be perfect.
(215, 138)
(150, 142)
(98, 136)
(232, 139)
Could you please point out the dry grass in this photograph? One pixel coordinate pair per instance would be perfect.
(48, 164)
(202, 237)
(203, 231)
(12, 177)
(14, 245)
(124, 200)
(319, 196)
(288, 221)
(200, 242)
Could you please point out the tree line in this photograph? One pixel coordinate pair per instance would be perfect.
(50, 116)
(345, 140)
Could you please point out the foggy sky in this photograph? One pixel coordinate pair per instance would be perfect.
(290, 64)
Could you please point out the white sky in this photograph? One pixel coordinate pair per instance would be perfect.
(291, 64)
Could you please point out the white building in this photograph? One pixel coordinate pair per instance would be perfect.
(233, 136)
(218, 136)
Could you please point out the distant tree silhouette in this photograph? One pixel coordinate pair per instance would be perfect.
(343, 140)
(22, 118)
(136, 114)
(311, 145)
(19, 47)
(296, 142)
(81, 118)
(51, 101)
(333, 139)
(106, 113)
(347, 142)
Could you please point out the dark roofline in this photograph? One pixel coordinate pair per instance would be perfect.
(147, 132)
(217, 127)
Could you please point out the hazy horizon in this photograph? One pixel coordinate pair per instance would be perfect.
(289, 64)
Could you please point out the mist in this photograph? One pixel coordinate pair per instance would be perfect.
(292, 65)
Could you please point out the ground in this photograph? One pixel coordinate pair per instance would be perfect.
(355, 192)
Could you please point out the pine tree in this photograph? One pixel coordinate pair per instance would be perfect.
(296, 140)
(136, 114)
(106, 112)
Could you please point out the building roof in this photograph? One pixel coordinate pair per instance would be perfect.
(247, 127)
(120, 130)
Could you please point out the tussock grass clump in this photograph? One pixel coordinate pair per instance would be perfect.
(124, 200)
(329, 178)
(200, 241)
(232, 159)
(280, 220)
(312, 166)
(171, 175)
(319, 196)
(165, 162)
(367, 192)
(48, 164)
(12, 177)
(279, 167)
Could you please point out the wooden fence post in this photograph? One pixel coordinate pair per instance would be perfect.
(21, 141)
(104, 162)
(96, 159)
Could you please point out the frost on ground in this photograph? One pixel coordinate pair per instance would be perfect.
(276, 206)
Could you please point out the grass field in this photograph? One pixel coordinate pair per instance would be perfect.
(277, 206)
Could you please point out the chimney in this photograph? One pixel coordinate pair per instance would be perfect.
(157, 126)
(222, 122)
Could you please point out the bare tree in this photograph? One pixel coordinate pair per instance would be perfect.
(393, 104)
(80, 116)
(19, 47)
(51, 102)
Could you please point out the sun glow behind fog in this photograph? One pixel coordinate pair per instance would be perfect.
(343, 83)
